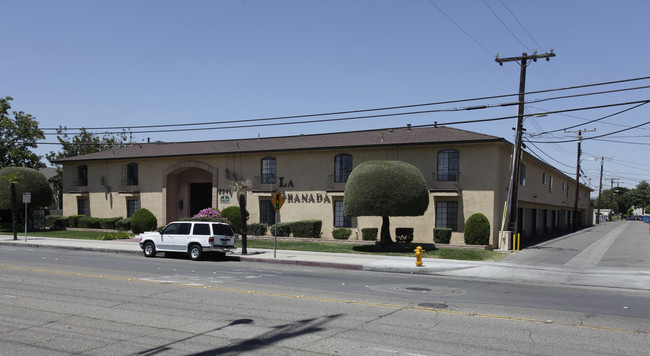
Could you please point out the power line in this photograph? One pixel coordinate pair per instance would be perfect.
(460, 28)
(522, 26)
(506, 26)
(604, 135)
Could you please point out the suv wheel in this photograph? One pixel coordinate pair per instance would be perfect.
(149, 249)
(195, 252)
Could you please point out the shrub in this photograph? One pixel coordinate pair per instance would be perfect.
(123, 225)
(56, 222)
(143, 220)
(477, 230)
(113, 236)
(307, 228)
(232, 214)
(341, 234)
(256, 229)
(73, 220)
(108, 223)
(88, 222)
(404, 234)
(369, 234)
(208, 213)
(284, 229)
(442, 235)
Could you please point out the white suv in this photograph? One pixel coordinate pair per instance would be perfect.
(193, 237)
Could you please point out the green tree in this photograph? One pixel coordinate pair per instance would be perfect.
(19, 132)
(385, 188)
(14, 181)
(80, 144)
(640, 195)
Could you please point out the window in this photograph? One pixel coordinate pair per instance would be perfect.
(342, 167)
(448, 165)
(130, 174)
(340, 220)
(522, 175)
(82, 176)
(131, 206)
(550, 184)
(201, 229)
(177, 229)
(567, 190)
(268, 170)
(83, 206)
(221, 229)
(447, 214)
(543, 178)
(267, 212)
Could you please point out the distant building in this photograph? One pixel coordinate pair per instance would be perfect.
(466, 173)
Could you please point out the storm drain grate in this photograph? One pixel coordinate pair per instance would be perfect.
(419, 289)
(433, 305)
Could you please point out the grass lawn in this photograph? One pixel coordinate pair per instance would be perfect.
(430, 252)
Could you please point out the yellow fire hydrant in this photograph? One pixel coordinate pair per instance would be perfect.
(418, 256)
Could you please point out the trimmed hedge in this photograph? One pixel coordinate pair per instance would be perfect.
(56, 222)
(341, 234)
(113, 236)
(306, 228)
(123, 225)
(88, 222)
(477, 230)
(73, 220)
(442, 235)
(256, 229)
(369, 234)
(404, 234)
(143, 220)
(284, 229)
(109, 223)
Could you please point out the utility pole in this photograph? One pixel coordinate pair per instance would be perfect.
(611, 197)
(575, 202)
(524, 60)
(600, 187)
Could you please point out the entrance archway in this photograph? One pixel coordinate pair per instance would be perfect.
(188, 187)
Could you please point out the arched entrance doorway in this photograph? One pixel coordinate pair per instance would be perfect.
(188, 187)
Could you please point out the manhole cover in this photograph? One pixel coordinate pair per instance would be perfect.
(433, 305)
(419, 289)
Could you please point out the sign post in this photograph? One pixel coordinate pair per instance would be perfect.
(277, 202)
(27, 198)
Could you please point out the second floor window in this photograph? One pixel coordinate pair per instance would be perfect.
(342, 167)
(82, 175)
(268, 170)
(130, 174)
(448, 165)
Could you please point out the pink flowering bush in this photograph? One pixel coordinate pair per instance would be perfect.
(208, 213)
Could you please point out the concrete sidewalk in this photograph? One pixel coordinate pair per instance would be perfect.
(568, 275)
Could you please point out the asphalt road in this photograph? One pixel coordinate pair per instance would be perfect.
(62, 302)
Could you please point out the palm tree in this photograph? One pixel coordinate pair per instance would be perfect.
(241, 186)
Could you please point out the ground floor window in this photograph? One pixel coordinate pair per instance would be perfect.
(131, 206)
(341, 220)
(83, 206)
(447, 214)
(267, 212)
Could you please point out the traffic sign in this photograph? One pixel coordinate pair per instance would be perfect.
(277, 201)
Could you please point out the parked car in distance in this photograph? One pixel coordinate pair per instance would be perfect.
(195, 238)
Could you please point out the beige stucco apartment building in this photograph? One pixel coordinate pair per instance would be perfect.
(466, 173)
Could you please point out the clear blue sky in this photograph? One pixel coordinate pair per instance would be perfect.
(125, 63)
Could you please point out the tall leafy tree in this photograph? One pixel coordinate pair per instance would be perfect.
(641, 195)
(385, 188)
(20, 133)
(14, 181)
(83, 143)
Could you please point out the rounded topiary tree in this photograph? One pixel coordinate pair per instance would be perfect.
(385, 188)
(143, 220)
(477, 230)
(232, 214)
